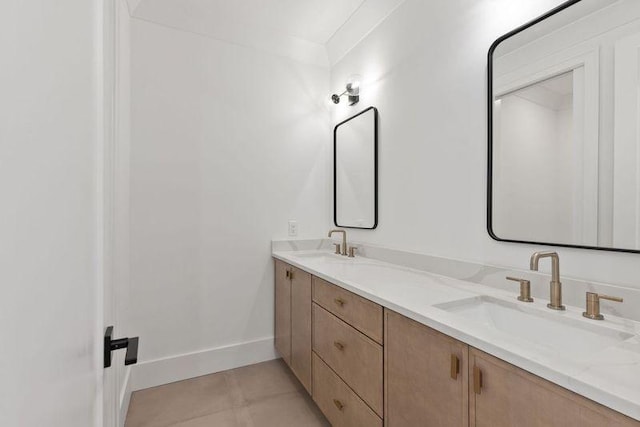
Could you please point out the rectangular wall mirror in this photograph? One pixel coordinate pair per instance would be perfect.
(564, 128)
(355, 171)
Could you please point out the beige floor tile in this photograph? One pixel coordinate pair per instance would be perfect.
(237, 417)
(184, 400)
(262, 395)
(264, 380)
(287, 410)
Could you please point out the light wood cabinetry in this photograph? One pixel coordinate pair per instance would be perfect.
(365, 366)
(293, 319)
(426, 378)
(362, 314)
(356, 358)
(501, 394)
(336, 400)
(301, 326)
(283, 311)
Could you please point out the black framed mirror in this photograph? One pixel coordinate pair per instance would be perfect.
(564, 138)
(355, 171)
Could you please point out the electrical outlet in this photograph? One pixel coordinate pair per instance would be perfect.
(293, 228)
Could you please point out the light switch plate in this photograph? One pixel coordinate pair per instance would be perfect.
(293, 228)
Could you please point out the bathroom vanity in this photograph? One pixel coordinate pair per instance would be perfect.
(381, 344)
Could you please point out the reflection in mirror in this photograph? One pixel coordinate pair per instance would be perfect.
(533, 139)
(355, 171)
(564, 132)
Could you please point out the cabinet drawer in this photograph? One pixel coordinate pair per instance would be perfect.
(362, 314)
(341, 406)
(353, 356)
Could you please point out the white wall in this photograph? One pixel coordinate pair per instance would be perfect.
(50, 267)
(425, 70)
(228, 144)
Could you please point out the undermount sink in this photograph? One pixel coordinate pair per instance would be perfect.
(570, 337)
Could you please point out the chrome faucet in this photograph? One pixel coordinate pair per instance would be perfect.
(344, 240)
(555, 285)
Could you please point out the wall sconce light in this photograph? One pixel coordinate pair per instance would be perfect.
(352, 91)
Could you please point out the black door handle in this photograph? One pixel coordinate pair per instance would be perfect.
(131, 344)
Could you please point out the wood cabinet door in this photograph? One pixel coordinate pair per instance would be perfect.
(301, 326)
(501, 394)
(426, 376)
(283, 311)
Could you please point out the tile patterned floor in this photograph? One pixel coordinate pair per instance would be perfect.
(262, 395)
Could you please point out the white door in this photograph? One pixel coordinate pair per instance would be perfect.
(109, 315)
(52, 224)
(115, 201)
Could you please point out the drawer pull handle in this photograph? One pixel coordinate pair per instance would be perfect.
(477, 380)
(339, 301)
(338, 345)
(455, 367)
(288, 274)
(338, 404)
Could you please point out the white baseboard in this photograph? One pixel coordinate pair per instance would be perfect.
(124, 398)
(176, 368)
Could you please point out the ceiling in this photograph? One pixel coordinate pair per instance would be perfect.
(555, 93)
(306, 30)
(562, 84)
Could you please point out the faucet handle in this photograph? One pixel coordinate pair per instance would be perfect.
(610, 298)
(337, 245)
(525, 289)
(593, 305)
(352, 251)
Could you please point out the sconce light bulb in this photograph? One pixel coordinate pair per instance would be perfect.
(353, 84)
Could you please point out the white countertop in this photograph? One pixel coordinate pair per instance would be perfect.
(609, 375)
